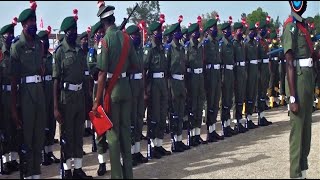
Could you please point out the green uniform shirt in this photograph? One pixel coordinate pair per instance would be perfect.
(194, 55)
(140, 65)
(4, 64)
(48, 64)
(176, 59)
(26, 60)
(108, 55)
(154, 59)
(251, 50)
(211, 50)
(263, 49)
(238, 48)
(295, 40)
(226, 52)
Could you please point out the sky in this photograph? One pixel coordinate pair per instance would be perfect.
(53, 12)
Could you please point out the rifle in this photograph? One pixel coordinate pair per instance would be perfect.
(62, 158)
(125, 20)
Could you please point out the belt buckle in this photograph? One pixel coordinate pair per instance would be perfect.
(38, 79)
(162, 75)
(78, 88)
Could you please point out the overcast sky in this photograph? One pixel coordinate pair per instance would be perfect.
(53, 12)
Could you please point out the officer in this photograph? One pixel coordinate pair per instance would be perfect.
(137, 87)
(227, 57)
(69, 65)
(194, 61)
(118, 104)
(300, 79)
(264, 75)
(251, 53)
(97, 32)
(177, 68)
(49, 158)
(27, 68)
(88, 93)
(157, 88)
(240, 74)
(274, 70)
(9, 154)
(212, 78)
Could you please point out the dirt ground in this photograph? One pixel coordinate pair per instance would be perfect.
(259, 153)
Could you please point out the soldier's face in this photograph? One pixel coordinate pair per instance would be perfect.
(157, 36)
(30, 26)
(8, 37)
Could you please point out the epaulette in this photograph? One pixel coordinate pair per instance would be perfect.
(55, 50)
(221, 42)
(91, 52)
(187, 44)
(148, 45)
(16, 39)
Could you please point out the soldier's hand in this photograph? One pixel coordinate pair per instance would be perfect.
(95, 109)
(58, 116)
(16, 119)
(294, 107)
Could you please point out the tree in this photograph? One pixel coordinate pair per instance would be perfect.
(147, 10)
(317, 23)
(257, 16)
(207, 16)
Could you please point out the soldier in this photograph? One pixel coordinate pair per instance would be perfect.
(264, 75)
(137, 87)
(240, 74)
(212, 78)
(10, 154)
(157, 89)
(194, 61)
(26, 68)
(177, 68)
(282, 75)
(97, 32)
(49, 158)
(251, 53)
(87, 91)
(274, 70)
(300, 78)
(317, 89)
(118, 99)
(227, 57)
(69, 66)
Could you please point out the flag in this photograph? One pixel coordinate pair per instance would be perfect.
(41, 24)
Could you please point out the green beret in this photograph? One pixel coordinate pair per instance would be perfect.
(209, 24)
(105, 11)
(154, 26)
(132, 29)
(67, 23)
(237, 25)
(174, 27)
(263, 24)
(252, 26)
(7, 28)
(193, 27)
(225, 26)
(95, 28)
(42, 34)
(83, 35)
(273, 35)
(184, 31)
(26, 14)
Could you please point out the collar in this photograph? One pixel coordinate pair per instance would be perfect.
(225, 41)
(174, 44)
(111, 28)
(66, 46)
(23, 39)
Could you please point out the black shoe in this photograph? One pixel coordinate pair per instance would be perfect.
(56, 141)
(185, 147)
(80, 174)
(53, 158)
(275, 105)
(226, 132)
(251, 125)
(232, 131)
(155, 154)
(162, 151)
(263, 122)
(47, 161)
(84, 153)
(240, 128)
(67, 174)
(140, 158)
(6, 169)
(177, 147)
(144, 137)
(211, 138)
(102, 169)
(217, 136)
(13, 166)
(193, 141)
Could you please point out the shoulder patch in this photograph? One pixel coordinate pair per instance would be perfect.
(55, 50)
(17, 38)
(221, 42)
(103, 43)
(91, 52)
(167, 47)
(148, 45)
(205, 41)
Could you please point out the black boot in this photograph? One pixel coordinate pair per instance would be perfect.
(56, 141)
(102, 169)
(140, 158)
(226, 132)
(251, 125)
(6, 170)
(53, 158)
(67, 174)
(47, 161)
(134, 160)
(185, 147)
(80, 174)
(217, 136)
(177, 147)
(240, 128)
(155, 154)
(232, 131)
(13, 166)
(211, 138)
(162, 151)
(193, 141)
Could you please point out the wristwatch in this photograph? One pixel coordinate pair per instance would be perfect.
(292, 99)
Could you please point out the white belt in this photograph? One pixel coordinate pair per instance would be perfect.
(275, 58)
(95, 82)
(215, 66)
(229, 67)
(6, 87)
(86, 73)
(158, 75)
(265, 61)
(122, 75)
(73, 87)
(284, 61)
(32, 79)
(198, 71)
(242, 63)
(304, 62)
(136, 76)
(254, 62)
(48, 78)
(178, 76)
(188, 70)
